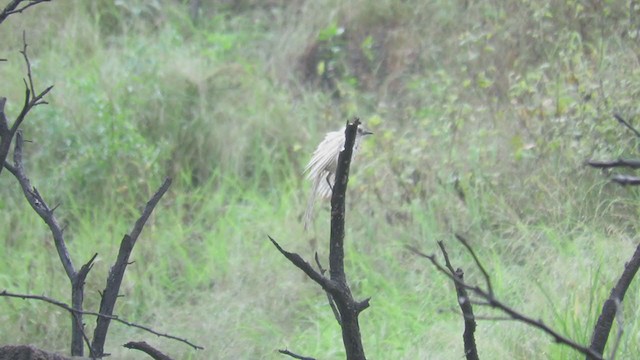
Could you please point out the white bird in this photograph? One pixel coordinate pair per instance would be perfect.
(322, 167)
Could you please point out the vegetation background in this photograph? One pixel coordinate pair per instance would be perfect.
(483, 111)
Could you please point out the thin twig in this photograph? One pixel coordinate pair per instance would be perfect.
(557, 337)
(625, 123)
(80, 326)
(616, 342)
(295, 356)
(62, 305)
(332, 303)
(12, 8)
(303, 265)
(26, 60)
(487, 280)
(30, 101)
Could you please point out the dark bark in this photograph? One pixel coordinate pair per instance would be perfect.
(468, 337)
(13, 7)
(116, 274)
(607, 164)
(610, 307)
(491, 301)
(336, 285)
(39, 205)
(148, 349)
(348, 308)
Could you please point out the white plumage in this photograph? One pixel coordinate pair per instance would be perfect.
(322, 167)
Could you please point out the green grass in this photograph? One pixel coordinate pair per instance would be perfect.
(501, 102)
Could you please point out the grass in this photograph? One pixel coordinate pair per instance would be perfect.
(483, 113)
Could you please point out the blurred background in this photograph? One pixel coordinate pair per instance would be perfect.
(483, 112)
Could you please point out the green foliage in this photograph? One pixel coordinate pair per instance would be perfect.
(483, 114)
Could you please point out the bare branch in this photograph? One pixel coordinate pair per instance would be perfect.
(31, 100)
(468, 337)
(616, 342)
(607, 164)
(148, 349)
(77, 300)
(336, 242)
(295, 356)
(99, 315)
(625, 123)
(336, 285)
(611, 305)
(332, 303)
(6, 133)
(39, 205)
(12, 7)
(626, 179)
(116, 274)
(487, 280)
(303, 265)
(495, 303)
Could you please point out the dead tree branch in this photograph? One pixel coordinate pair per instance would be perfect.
(146, 348)
(607, 164)
(332, 303)
(626, 180)
(14, 8)
(295, 356)
(485, 274)
(336, 285)
(626, 123)
(39, 205)
(116, 274)
(71, 310)
(31, 100)
(348, 308)
(468, 337)
(493, 302)
(628, 163)
(610, 307)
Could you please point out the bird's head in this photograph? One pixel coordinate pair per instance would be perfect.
(363, 132)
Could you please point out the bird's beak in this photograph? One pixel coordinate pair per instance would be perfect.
(365, 132)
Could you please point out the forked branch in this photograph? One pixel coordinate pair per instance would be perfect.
(468, 337)
(116, 274)
(15, 7)
(489, 299)
(346, 308)
(71, 310)
(31, 100)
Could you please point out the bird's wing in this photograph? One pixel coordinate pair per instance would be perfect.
(325, 156)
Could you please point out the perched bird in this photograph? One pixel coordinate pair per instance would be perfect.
(322, 167)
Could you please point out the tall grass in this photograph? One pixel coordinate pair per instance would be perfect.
(483, 112)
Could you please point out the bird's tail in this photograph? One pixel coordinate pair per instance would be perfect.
(321, 188)
(308, 213)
